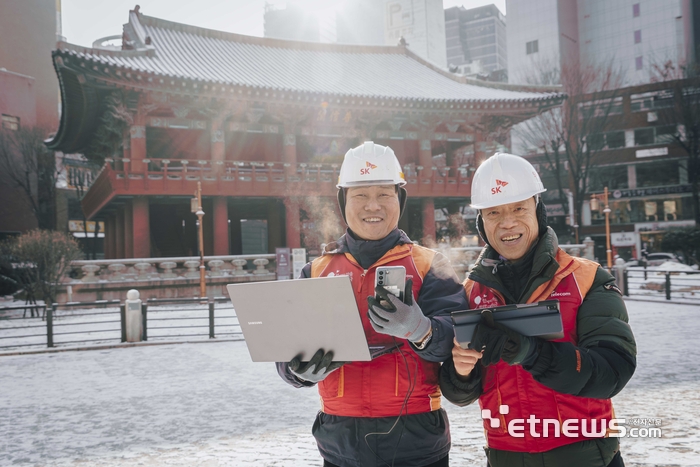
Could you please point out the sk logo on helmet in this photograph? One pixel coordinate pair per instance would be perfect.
(368, 166)
(499, 185)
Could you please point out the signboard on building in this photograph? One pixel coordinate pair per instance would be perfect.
(657, 226)
(651, 152)
(399, 20)
(298, 261)
(283, 263)
(623, 239)
(642, 192)
(79, 226)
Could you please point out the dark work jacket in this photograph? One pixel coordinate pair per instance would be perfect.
(423, 437)
(605, 344)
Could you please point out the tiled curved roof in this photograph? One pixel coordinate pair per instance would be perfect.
(187, 52)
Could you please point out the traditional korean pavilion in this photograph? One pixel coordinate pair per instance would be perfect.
(263, 124)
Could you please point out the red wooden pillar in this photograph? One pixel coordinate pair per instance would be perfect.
(292, 222)
(141, 227)
(481, 152)
(290, 154)
(119, 233)
(109, 254)
(137, 132)
(128, 230)
(106, 238)
(425, 157)
(428, 221)
(220, 218)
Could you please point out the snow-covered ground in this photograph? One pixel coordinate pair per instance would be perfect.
(207, 404)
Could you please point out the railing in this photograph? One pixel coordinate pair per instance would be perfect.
(104, 322)
(179, 268)
(250, 178)
(263, 171)
(168, 319)
(660, 284)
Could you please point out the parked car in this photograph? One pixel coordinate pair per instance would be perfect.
(657, 259)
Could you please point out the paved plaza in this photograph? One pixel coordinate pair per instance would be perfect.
(207, 405)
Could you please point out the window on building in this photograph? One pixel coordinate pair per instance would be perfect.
(655, 135)
(638, 36)
(531, 47)
(638, 63)
(615, 139)
(636, 10)
(663, 173)
(601, 108)
(612, 176)
(643, 136)
(652, 100)
(10, 122)
(665, 134)
(610, 140)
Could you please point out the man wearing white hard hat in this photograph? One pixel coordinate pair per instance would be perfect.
(386, 411)
(522, 381)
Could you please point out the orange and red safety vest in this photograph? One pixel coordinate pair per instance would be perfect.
(512, 386)
(379, 388)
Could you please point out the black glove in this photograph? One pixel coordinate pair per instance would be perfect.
(499, 342)
(316, 369)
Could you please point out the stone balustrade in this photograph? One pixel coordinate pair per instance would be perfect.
(162, 277)
(179, 277)
(156, 269)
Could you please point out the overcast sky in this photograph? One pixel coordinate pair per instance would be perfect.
(87, 20)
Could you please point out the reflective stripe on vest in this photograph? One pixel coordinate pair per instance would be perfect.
(504, 384)
(379, 388)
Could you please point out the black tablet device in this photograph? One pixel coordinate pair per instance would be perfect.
(541, 319)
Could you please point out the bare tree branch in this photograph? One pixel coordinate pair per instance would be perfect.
(31, 168)
(563, 134)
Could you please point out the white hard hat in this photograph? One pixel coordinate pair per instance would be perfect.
(503, 179)
(370, 164)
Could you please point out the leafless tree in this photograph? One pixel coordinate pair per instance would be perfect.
(566, 135)
(41, 258)
(32, 169)
(81, 178)
(685, 116)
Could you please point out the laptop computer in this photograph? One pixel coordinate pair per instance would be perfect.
(282, 319)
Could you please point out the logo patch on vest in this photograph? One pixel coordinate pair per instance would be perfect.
(560, 294)
(486, 300)
(338, 273)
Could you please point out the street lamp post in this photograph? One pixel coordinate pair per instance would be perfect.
(595, 198)
(200, 235)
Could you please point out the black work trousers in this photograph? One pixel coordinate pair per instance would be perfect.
(444, 462)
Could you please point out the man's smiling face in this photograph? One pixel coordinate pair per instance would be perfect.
(372, 211)
(512, 228)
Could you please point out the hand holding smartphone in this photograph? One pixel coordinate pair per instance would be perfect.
(392, 278)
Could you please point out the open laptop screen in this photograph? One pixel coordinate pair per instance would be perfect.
(282, 319)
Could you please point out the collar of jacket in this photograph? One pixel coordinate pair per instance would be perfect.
(544, 266)
(366, 252)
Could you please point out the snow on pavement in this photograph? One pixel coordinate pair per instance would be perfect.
(208, 405)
